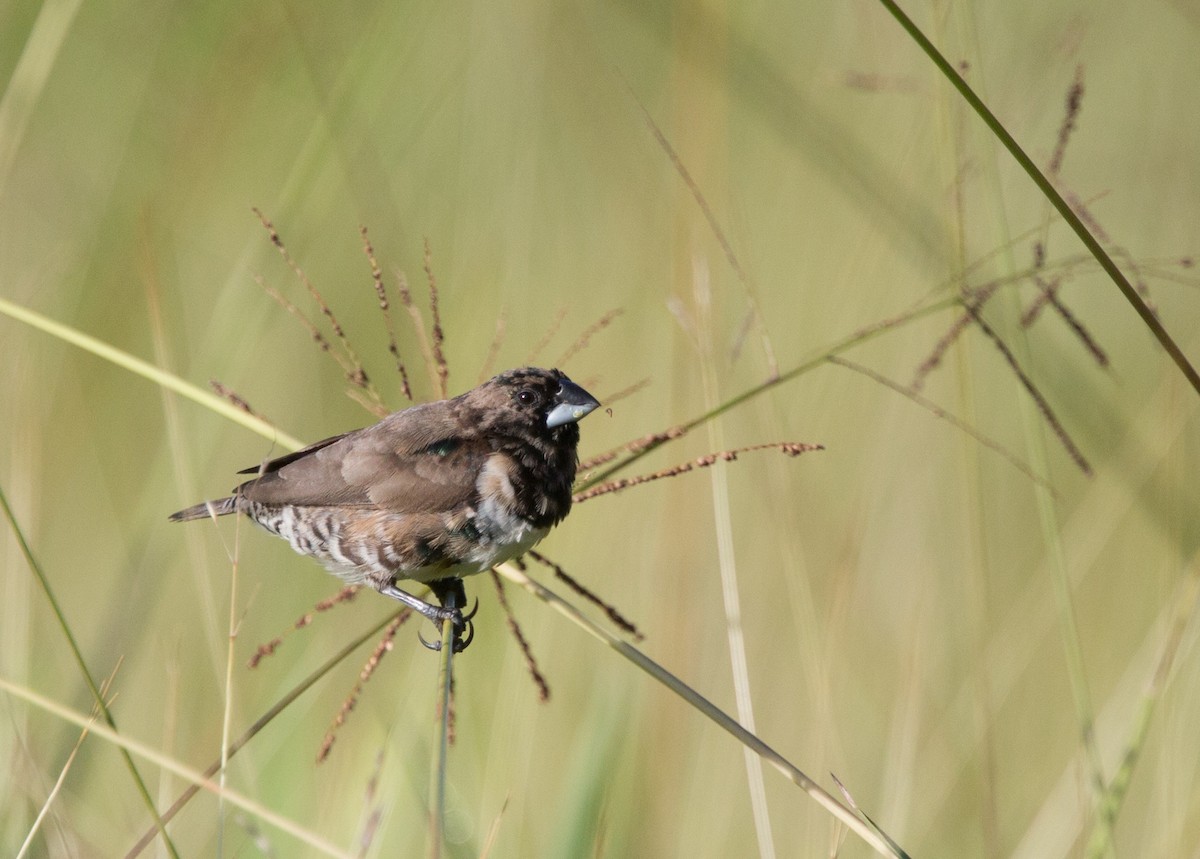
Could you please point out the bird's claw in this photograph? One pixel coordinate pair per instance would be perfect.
(463, 635)
(461, 643)
(450, 594)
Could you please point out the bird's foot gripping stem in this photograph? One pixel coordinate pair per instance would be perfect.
(451, 595)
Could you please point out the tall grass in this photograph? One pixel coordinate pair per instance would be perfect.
(990, 650)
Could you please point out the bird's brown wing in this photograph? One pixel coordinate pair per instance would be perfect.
(279, 462)
(420, 460)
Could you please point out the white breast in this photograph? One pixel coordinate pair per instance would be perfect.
(503, 534)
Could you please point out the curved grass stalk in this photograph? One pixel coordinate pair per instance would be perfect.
(867, 831)
(144, 751)
(1100, 841)
(735, 633)
(264, 720)
(148, 371)
(97, 696)
(437, 787)
(848, 342)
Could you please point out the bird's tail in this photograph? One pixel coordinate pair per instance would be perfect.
(205, 509)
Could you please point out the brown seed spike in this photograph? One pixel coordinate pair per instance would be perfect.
(1074, 103)
(264, 650)
(439, 336)
(636, 446)
(617, 619)
(585, 338)
(539, 679)
(789, 448)
(1042, 404)
(489, 360)
(231, 396)
(551, 330)
(349, 361)
(384, 646)
(385, 308)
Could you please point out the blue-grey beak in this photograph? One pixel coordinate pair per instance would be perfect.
(571, 404)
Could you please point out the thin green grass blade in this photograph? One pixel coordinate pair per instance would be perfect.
(130, 746)
(1049, 191)
(260, 723)
(148, 371)
(437, 787)
(93, 687)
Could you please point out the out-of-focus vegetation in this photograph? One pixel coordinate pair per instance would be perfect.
(993, 652)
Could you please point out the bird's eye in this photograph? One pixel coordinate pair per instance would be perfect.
(527, 397)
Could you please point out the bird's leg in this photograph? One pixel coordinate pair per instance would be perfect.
(436, 614)
(451, 595)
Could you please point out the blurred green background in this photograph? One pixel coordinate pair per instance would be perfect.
(900, 592)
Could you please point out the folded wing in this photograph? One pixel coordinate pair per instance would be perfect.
(420, 460)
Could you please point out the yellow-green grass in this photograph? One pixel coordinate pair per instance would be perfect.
(991, 665)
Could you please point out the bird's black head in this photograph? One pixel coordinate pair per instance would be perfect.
(544, 403)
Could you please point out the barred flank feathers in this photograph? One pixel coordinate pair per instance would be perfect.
(205, 509)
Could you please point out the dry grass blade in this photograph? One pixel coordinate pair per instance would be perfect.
(539, 679)
(850, 801)
(493, 832)
(145, 752)
(162, 378)
(36, 826)
(66, 767)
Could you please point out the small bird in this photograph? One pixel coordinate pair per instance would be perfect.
(431, 493)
